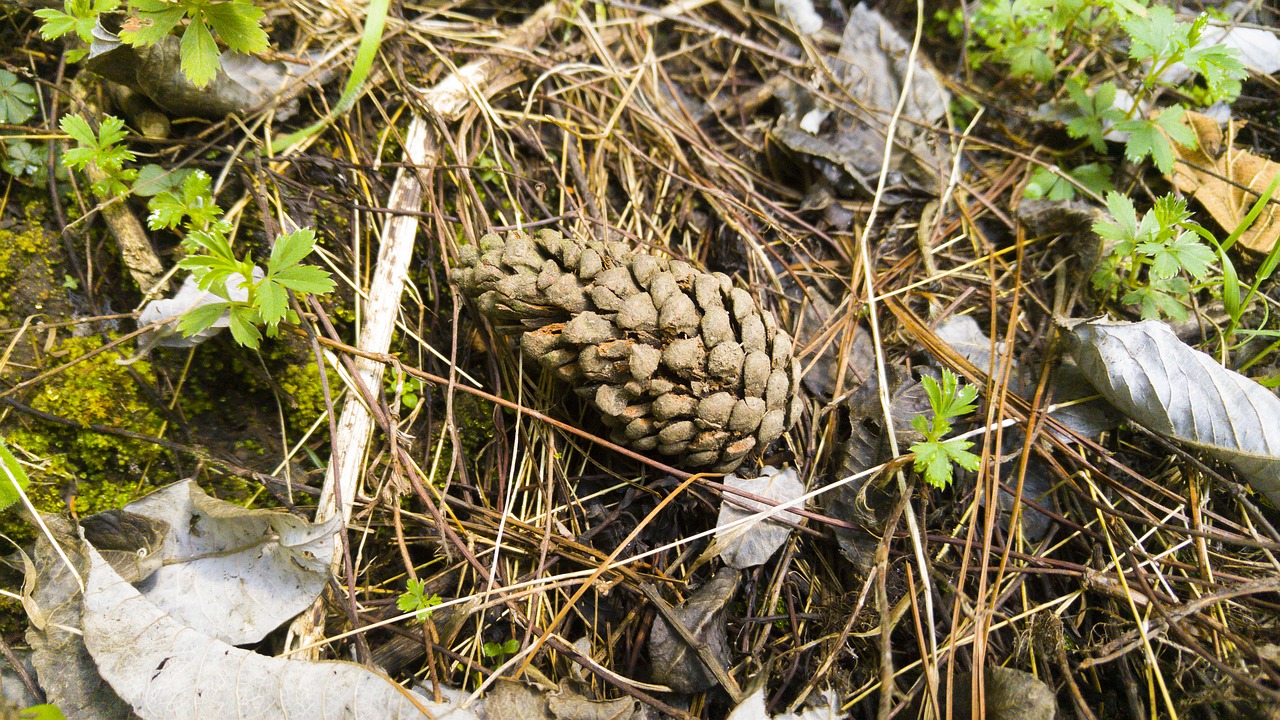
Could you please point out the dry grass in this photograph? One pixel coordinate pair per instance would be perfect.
(1154, 592)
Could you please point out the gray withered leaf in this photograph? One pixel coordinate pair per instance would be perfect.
(1169, 387)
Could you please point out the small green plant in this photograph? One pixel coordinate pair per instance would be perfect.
(238, 24)
(213, 263)
(100, 150)
(190, 205)
(23, 160)
(935, 456)
(1151, 261)
(500, 650)
(415, 599)
(1031, 37)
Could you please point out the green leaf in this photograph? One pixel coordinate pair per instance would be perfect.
(79, 130)
(193, 200)
(17, 99)
(415, 600)
(56, 23)
(24, 160)
(238, 24)
(273, 301)
(1030, 60)
(42, 712)
(306, 278)
(1049, 185)
(199, 54)
(1153, 303)
(152, 24)
(934, 460)
(211, 241)
(201, 317)
(1097, 113)
(1146, 140)
(1158, 36)
(290, 249)
(1170, 120)
(243, 328)
(1185, 252)
(13, 478)
(111, 131)
(1094, 176)
(154, 179)
(1124, 225)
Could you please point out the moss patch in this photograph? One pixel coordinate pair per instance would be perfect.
(101, 471)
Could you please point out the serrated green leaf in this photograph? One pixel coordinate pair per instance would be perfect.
(1170, 120)
(78, 129)
(1185, 252)
(199, 54)
(153, 25)
(213, 242)
(201, 318)
(290, 249)
(242, 327)
(56, 23)
(154, 179)
(1146, 140)
(273, 300)
(111, 131)
(306, 278)
(13, 478)
(238, 24)
(1158, 35)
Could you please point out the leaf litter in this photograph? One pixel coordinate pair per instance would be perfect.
(722, 142)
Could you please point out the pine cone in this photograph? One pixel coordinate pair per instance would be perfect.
(676, 360)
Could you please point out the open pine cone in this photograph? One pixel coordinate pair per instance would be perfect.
(677, 360)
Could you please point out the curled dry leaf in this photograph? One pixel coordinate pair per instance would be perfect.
(164, 669)
(751, 544)
(675, 663)
(233, 573)
(1228, 181)
(1153, 377)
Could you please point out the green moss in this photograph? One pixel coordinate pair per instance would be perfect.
(18, 248)
(302, 382)
(101, 471)
(474, 419)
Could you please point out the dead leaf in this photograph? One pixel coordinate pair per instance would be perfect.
(1215, 157)
(845, 144)
(1153, 377)
(232, 573)
(65, 670)
(674, 663)
(166, 670)
(751, 544)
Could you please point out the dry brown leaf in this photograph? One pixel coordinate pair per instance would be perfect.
(1201, 171)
